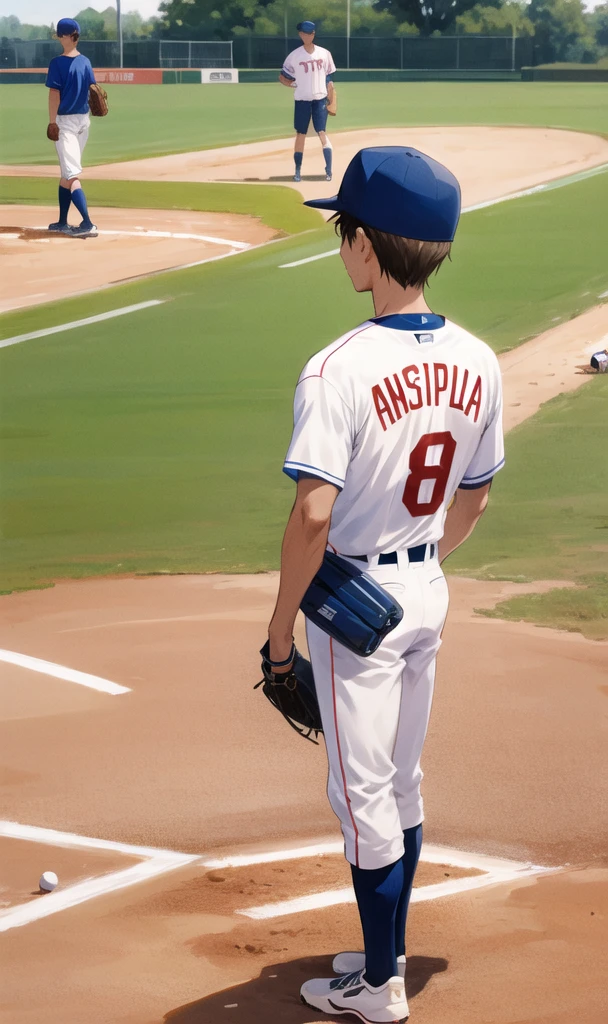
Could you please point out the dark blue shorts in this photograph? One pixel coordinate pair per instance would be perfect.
(304, 110)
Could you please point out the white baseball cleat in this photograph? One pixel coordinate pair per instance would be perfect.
(346, 963)
(351, 994)
(297, 177)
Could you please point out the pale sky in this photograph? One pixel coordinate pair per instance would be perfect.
(43, 12)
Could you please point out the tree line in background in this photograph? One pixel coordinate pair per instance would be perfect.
(562, 29)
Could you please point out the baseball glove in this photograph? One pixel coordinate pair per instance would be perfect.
(348, 605)
(52, 132)
(292, 693)
(98, 101)
(332, 105)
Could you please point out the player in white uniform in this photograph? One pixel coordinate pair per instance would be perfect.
(308, 71)
(392, 421)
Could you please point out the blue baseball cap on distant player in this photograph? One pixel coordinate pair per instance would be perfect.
(401, 191)
(306, 26)
(67, 26)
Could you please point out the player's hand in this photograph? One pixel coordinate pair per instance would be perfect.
(52, 131)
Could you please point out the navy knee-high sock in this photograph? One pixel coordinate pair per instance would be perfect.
(65, 198)
(412, 838)
(80, 202)
(378, 892)
(297, 159)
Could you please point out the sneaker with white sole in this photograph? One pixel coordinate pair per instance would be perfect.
(347, 963)
(85, 231)
(351, 994)
(63, 229)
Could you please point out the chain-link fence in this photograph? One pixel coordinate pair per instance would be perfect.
(193, 54)
(437, 53)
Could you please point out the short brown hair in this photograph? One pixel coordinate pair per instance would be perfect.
(408, 261)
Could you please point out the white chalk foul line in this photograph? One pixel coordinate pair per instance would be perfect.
(495, 871)
(149, 233)
(547, 186)
(80, 323)
(154, 862)
(49, 668)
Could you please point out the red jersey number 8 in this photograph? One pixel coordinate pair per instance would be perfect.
(438, 473)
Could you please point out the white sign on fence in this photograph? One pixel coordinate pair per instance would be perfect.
(219, 76)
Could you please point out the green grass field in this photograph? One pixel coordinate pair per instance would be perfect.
(548, 517)
(278, 207)
(150, 120)
(154, 442)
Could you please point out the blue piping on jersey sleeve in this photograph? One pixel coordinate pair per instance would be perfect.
(293, 470)
(329, 78)
(287, 75)
(473, 482)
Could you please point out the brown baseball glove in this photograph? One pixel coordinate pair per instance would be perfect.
(332, 105)
(98, 101)
(52, 132)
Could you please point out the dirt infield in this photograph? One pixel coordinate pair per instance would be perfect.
(40, 266)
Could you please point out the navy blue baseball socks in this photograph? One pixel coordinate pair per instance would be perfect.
(400, 191)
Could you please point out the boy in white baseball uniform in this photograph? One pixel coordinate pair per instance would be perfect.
(308, 70)
(68, 80)
(392, 421)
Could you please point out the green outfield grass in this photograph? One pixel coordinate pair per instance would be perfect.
(154, 442)
(150, 120)
(548, 516)
(276, 206)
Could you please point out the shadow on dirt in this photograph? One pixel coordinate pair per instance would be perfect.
(275, 994)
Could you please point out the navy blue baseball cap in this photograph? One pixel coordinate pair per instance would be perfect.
(401, 191)
(66, 26)
(306, 26)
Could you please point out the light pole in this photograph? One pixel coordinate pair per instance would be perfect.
(119, 32)
(348, 33)
(286, 24)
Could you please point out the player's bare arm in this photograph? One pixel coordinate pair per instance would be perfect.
(289, 82)
(462, 518)
(304, 545)
(54, 100)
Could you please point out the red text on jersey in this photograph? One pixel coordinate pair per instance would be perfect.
(433, 385)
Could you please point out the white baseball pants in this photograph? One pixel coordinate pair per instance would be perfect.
(73, 135)
(375, 714)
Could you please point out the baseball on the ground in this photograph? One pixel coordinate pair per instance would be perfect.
(48, 881)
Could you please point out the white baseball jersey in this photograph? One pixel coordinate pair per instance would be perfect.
(398, 418)
(309, 71)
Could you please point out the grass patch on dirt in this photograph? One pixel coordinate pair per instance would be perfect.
(275, 206)
(548, 517)
(151, 120)
(583, 610)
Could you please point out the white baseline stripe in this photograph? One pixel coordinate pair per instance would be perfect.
(156, 862)
(144, 232)
(426, 892)
(80, 323)
(545, 187)
(48, 668)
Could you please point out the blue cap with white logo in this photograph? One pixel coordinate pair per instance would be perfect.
(67, 26)
(306, 26)
(401, 191)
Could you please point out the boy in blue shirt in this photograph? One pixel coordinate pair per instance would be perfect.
(68, 80)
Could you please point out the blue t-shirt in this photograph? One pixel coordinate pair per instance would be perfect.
(72, 76)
